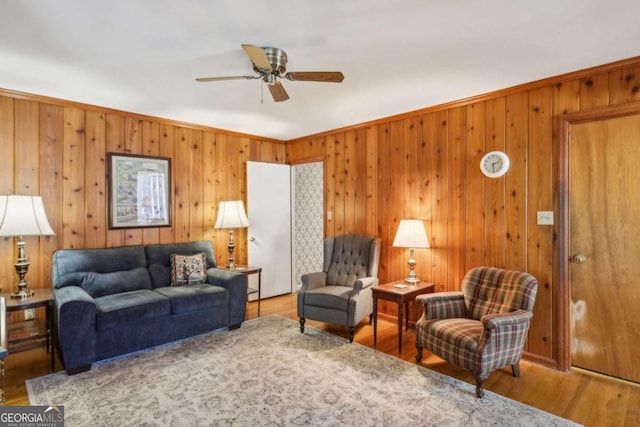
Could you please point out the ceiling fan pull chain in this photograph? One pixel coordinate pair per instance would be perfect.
(261, 93)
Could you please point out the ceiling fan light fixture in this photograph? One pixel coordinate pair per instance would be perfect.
(270, 63)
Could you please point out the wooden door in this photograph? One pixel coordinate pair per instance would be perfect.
(604, 245)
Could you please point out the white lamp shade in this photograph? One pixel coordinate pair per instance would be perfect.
(411, 234)
(231, 215)
(23, 216)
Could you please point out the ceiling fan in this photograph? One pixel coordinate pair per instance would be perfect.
(270, 64)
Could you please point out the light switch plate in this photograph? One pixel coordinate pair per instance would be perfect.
(545, 217)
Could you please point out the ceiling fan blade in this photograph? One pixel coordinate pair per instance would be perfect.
(258, 56)
(316, 76)
(278, 92)
(218, 79)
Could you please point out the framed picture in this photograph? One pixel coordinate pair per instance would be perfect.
(139, 191)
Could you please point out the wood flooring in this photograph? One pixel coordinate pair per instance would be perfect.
(586, 398)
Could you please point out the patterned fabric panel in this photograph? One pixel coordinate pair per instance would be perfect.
(350, 259)
(503, 347)
(489, 290)
(463, 333)
(477, 351)
(451, 353)
(186, 269)
(308, 218)
(442, 305)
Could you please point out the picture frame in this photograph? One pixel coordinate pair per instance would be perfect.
(139, 191)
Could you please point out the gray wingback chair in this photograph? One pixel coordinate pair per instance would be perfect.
(341, 292)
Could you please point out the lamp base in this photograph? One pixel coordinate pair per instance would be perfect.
(412, 277)
(412, 280)
(22, 267)
(22, 294)
(231, 247)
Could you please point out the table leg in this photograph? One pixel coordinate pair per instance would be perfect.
(375, 321)
(51, 338)
(400, 304)
(406, 315)
(259, 289)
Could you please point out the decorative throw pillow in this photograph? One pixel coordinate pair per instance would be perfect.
(186, 269)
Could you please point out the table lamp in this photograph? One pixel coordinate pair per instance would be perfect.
(231, 215)
(23, 216)
(411, 234)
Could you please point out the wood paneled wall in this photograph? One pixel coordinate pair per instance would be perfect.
(425, 164)
(59, 149)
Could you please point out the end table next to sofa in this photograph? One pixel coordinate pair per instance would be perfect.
(247, 271)
(401, 293)
(27, 334)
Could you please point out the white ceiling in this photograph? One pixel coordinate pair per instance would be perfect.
(143, 56)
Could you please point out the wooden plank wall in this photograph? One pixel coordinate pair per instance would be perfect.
(425, 165)
(59, 149)
(420, 165)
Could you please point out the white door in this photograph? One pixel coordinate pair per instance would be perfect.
(269, 212)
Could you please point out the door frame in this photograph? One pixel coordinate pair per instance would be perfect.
(563, 280)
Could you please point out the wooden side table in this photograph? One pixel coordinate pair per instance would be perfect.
(25, 335)
(247, 270)
(401, 293)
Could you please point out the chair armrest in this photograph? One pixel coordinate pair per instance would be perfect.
(236, 284)
(505, 331)
(363, 283)
(499, 320)
(442, 305)
(313, 280)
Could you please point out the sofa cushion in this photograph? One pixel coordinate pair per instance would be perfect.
(159, 259)
(70, 266)
(187, 269)
(117, 310)
(194, 297)
(101, 284)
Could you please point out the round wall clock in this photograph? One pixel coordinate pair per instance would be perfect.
(494, 164)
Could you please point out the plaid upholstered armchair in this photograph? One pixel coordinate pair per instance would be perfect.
(341, 292)
(483, 327)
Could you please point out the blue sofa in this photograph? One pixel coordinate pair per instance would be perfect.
(115, 301)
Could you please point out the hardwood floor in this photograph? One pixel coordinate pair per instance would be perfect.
(582, 397)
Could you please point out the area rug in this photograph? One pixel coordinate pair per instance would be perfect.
(269, 374)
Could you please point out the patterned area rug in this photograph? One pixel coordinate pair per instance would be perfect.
(269, 374)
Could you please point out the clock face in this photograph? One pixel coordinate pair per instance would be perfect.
(494, 164)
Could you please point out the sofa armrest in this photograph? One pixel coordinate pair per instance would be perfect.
(442, 305)
(236, 284)
(75, 317)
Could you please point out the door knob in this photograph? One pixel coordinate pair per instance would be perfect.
(578, 258)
